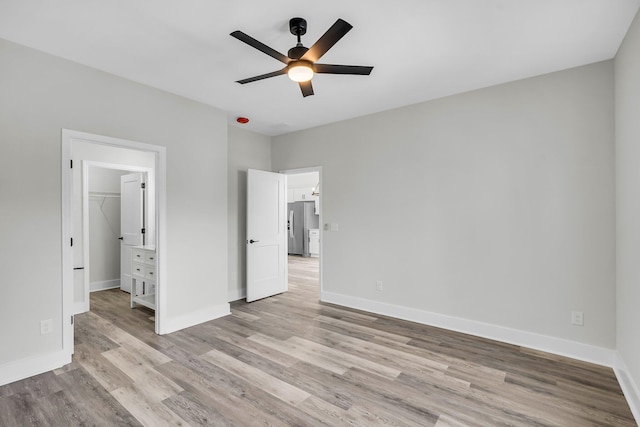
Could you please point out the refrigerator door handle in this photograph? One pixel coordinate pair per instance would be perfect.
(291, 223)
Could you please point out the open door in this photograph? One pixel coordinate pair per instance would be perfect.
(266, 234)
(131, 222)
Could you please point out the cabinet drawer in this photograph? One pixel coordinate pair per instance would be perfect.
(138, 255)
(150, 272)
(138, 269)
(150, 258)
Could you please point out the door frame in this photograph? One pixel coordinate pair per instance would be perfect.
(320, 201)
(86, 164)
(67, 137)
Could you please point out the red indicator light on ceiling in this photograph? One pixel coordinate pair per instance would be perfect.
(242, 120)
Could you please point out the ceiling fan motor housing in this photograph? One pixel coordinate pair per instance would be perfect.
(297, 52)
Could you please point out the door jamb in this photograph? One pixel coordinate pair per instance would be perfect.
(320, 201)
(67, 136)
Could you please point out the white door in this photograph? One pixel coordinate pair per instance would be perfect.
(266, 234)
(131, 222)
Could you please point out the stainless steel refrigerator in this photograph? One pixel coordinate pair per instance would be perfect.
(300, 218)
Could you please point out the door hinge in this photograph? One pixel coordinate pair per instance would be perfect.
(143, 185)
(142, 231)
(72, 320)
(72, 241)
(71, 163)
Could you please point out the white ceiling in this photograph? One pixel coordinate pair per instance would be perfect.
(421, 49)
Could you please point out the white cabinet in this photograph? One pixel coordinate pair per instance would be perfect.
(143, 276)
(314, 242)
(300, 195)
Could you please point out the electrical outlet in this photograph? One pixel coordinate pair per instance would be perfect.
(378, 285)
(46, 326)
(577, 318)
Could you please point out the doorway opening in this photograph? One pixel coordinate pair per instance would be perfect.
(97, 245)
(304, 231)
(111, 210)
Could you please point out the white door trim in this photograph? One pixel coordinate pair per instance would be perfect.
(86, 164)
(307, 170)
(67, 136)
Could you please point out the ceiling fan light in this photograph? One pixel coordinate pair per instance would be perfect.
(300, 72)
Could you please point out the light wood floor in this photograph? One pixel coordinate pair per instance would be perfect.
(288, 360)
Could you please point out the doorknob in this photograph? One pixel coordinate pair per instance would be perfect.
(120, 238)
(254, 241)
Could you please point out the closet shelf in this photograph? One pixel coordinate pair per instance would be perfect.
(95, 194)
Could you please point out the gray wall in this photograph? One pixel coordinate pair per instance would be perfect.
(104, 225)
(495, 206)
(42, 94)
(247, 150)
(627, 78)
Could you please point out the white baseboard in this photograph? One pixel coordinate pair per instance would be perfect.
(559, 346)
(104, 285)
(30, 366)
(236, 294)
(173, 324)
(630, 389)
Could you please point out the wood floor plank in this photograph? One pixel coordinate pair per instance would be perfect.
(149, 382)
(59, 410)
(229, 402)
(145, 353)
(291, 376)
(333, 414)
(195, 412)
(36, 386)
(100, 368)
(392, 356)
(347, 358)
(271, 385)
(21, 409)
(254, 347)
(145, 409)
(375, 332)
(89, 397)
(302, 353)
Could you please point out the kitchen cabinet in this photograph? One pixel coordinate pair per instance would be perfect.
(314, 242)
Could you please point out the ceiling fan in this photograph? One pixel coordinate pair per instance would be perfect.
(300, 62)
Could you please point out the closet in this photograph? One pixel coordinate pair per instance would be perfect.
(104, 228)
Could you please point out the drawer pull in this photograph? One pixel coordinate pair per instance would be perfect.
(151, 273)
(137, 269)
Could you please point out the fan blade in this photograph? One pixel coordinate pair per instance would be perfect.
(307, 88)
(328, 39)
(260, 46)
(342, 69)
(263, 76)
